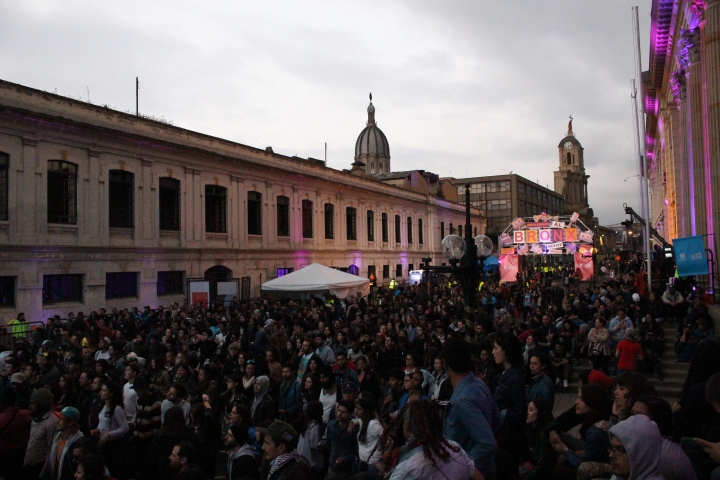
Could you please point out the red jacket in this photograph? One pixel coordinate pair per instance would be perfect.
(14, 430)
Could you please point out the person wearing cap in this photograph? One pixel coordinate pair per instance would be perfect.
(279, 443)
(17, 382)
(15, 424)
(349, 391)
(674, 303)
(42, 432)
(57, 464)
(262, 338)
(103, 346)
(241, 461)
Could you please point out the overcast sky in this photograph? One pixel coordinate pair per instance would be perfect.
(479, 87)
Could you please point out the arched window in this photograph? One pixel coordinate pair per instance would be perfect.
(567, 159)
(381, 168)
(372, 167)
(62, 192)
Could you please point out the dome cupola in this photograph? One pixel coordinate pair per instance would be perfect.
(372, 147)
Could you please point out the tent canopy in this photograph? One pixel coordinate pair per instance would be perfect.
(317, 278)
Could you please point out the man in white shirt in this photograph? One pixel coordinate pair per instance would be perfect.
(328, 393)
(130, 396)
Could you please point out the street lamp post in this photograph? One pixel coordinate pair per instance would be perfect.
(464, 251)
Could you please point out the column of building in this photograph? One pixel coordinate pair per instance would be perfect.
(712, 87)
(683, 181)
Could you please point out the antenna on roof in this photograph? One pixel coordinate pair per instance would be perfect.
(326, 154)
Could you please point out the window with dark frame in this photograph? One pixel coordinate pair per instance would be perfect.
(121, 205)
(215, 209)
(460, 230)
(385, 233)
(386, 271)
(351, 220)
(329, 221)
(281, 272)
(307, 219)
(420, 231)
(7, 291)
(452, 229)
(62, 288)
(409, 230)
(398, 270)
(169, 283)
(121, 284)
(169, 204)
(62, 192)
(283, 216)
(442, 230)
(254, 213)
(398, 235)
(4, 186)
(370, 226)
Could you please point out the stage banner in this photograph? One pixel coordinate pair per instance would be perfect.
(690, 256)
(199, 293)
(508, 268)
(583, 267)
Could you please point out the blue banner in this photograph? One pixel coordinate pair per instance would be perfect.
(690, 256)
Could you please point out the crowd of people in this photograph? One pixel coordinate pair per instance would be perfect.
(401, 384)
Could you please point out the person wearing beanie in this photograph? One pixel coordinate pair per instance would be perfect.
(57, 464)
(635, 446)
(42, 432)
(241, 456)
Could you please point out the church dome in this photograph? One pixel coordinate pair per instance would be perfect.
(371, 147)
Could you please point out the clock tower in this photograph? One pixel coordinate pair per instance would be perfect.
(570, 179)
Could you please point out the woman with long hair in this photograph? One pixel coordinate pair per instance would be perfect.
(312, 429)
(208, 433)
(91, 467)
(112, 428)
(206, 387)
(595, 404)
(367, 378)
(310, 389)
(427, 454)
(543, 456)
(369, 432)
(315, 364)
(160, 381)
(67, 392)
(248, 378)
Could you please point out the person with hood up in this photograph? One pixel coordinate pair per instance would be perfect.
(241, 456)
(263, 406)
(635, 446)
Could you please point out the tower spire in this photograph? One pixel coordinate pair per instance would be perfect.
(570, 131)
(371, 113)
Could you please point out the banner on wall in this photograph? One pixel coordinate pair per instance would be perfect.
(584, 267)
(199, 293)
(508, 268)
(690, 256)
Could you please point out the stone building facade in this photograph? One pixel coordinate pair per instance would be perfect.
(682, 101)
(99, 208)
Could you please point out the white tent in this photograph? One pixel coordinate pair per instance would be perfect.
(319, 278)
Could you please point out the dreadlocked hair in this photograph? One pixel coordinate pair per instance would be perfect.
(423, 422)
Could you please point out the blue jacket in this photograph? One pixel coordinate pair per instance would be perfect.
(597, 442)
(542, 387)
(471, 419)
(510, 396)
(344, 445)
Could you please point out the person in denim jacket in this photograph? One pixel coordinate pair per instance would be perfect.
(471, 418)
